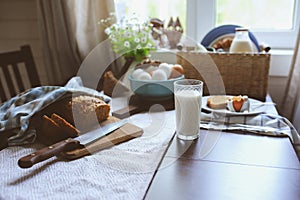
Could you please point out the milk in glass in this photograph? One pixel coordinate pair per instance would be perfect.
(188, 109)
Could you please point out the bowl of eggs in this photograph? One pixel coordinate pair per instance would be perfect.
(155, 80)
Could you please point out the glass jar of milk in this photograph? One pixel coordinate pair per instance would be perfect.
(241, 42)
(188, 101)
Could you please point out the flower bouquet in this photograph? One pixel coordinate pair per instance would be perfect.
(130, 38)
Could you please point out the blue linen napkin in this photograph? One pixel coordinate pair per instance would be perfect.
(15, 114)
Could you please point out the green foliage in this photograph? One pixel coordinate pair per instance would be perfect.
(130, 37)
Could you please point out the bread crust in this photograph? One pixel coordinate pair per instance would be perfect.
(85, 112)
(69, 117)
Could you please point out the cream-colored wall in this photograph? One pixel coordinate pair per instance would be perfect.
(19, 26)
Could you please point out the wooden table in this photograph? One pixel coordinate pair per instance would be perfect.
(237, 167)
(218, 165)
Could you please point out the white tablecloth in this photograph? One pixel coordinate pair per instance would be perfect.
(121, 172)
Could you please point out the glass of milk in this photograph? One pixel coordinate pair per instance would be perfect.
(188, 99)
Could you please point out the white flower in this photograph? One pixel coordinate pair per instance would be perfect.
(107, 31)
(113, 39)
(144, 40)
(114, 26)
(127, 34)
(149, 45)
(137, 40)
(112, 36)
(127, 44)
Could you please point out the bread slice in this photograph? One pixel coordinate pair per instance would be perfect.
(54, 129)
(217, 102)
(49, 131)
(49, 123)
(65, 126)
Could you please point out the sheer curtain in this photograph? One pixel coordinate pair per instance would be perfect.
(69, 31)
(291, 104)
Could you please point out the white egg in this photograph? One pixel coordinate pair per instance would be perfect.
(159, 74)
(166, 67)
(150, 69)
(163, 64)
(144, 76)
(136, 73)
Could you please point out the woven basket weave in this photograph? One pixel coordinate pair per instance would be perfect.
(231, 74)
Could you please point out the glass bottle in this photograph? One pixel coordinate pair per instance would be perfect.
(241, 42)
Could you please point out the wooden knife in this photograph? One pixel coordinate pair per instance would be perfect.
(69, 144)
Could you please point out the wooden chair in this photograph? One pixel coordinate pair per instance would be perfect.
(17, 72)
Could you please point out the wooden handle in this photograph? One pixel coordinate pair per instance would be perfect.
(48, 152)
(127, 111)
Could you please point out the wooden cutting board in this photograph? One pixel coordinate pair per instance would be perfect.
(125, 133)
(139, 104)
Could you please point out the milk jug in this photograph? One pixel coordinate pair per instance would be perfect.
(241, 42)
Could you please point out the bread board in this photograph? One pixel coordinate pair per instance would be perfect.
(127, 132)
(139, 104)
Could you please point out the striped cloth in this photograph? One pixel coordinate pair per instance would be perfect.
(263, 124)
(15, 114)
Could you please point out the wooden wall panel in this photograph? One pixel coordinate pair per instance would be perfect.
(19, 26)
(18, 10)
(11, 45)
(19, 29)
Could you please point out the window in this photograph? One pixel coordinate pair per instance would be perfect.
(275, 22)
(163, 10)
(258, 14)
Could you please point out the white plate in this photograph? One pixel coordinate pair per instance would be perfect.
(255, 108)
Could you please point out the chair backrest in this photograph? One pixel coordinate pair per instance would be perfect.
(17, 70)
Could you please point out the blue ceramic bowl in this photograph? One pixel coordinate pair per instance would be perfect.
(153, 89)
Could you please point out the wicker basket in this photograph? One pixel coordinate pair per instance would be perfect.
(231, 74)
